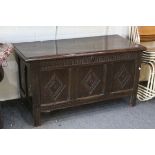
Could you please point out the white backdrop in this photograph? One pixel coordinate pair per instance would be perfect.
(9, 86)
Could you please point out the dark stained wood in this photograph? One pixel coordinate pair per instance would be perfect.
(65, 73)
(74, 47)
(1, 78)
(1, 120)
(36, 93)
(1, 73)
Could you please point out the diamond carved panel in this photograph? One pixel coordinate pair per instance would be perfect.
(91, 81)
(55, 86)
(123, 76)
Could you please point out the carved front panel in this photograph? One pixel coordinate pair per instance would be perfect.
(122, 76)
(54, 86)
(90, 80)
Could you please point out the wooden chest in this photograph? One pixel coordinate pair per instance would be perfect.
(66, 73)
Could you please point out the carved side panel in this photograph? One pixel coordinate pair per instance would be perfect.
(90, 80)
(23, 77)
(123, 76)
(54, 86)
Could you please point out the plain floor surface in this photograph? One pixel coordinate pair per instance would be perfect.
(115, 114)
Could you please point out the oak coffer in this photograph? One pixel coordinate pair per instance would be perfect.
(64, 73)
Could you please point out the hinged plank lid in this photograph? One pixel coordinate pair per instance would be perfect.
(75, 47)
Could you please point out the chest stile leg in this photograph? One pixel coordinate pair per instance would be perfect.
(36, 108)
